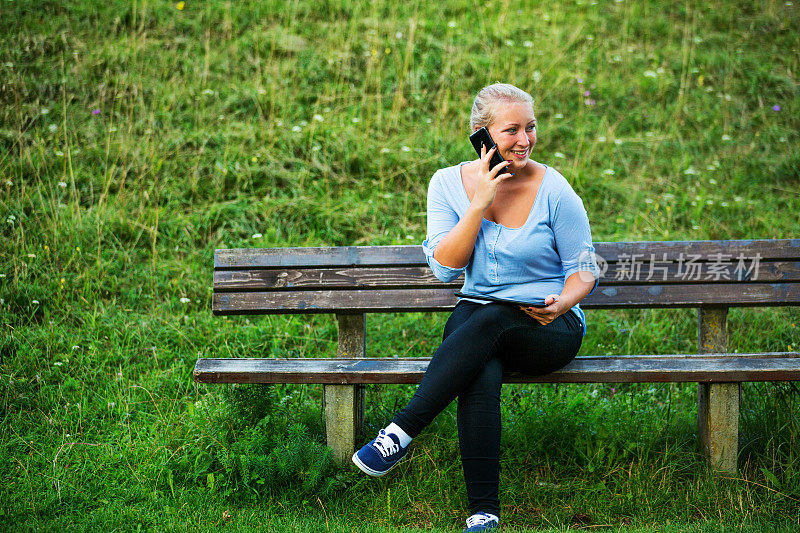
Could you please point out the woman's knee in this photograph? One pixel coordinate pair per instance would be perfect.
(488, 382)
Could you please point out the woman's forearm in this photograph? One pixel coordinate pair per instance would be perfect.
(455, 248)
(576, 288)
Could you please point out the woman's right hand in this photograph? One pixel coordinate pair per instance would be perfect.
(488, 179)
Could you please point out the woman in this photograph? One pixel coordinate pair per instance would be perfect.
(517, 231)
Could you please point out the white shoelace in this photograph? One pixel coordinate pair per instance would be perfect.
(385, 445)
(481, 519)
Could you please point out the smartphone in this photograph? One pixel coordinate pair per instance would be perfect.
(536, 302)
(482, 138)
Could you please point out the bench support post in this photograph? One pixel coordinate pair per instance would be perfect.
(717, 403)
(343, 405)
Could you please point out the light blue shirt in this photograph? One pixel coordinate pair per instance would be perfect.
(522, 263)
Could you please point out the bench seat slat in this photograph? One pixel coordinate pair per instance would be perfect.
(234, 258)
(779, 366)
(289, 279)
(442, 299)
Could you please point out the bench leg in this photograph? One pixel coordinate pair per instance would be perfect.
(718, 424)
(717, 403)
(343, 406)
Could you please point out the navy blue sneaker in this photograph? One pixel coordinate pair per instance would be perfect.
(482, 522)
(381, 455)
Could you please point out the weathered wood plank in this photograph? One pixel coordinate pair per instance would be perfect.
(442, 299)
(328, 278)
(767, 249)
(318, 257)
(788, 249)
(643, 272)
(783, 366)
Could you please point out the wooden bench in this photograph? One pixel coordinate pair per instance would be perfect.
(353, 281)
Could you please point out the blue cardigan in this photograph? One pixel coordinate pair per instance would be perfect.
(531, 261)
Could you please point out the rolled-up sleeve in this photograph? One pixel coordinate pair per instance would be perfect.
(441, 219)
(574, 237)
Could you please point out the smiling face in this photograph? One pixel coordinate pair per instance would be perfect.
(514, 131)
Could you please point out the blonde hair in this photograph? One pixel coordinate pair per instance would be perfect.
(483, 109)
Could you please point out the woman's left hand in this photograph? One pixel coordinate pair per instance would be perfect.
(545, 315)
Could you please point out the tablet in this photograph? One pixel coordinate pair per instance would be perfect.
(536, 302)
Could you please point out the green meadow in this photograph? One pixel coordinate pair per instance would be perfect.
(137, 137)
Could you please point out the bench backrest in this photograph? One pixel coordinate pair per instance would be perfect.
(368, 279)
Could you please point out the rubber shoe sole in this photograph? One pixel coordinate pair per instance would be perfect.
(374, 473)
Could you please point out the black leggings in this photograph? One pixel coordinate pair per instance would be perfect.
(480, 342)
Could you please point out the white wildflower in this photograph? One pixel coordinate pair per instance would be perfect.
(737, 198)
(649, 74)
(405, 148)
(385, 150)
(208, 92)
(32, 256)
(257, 235)
(509, 42)
(601, 139)
(527, 44)
(618, 141)
(62, 184)
(648, 200)
(452, 24)
(112, 129)
(52, 127)
(35, 302)
(398, 35)
(356, 120)
(296, 129)
(45, 111)
(712, 181)
(318, 118)
(537, 76)
(111, 405)
(558, 115)
(726, 137)
(609, 172)
(75, 347)
(9, 183)
(690, 171)
(303, 123)
(185, 300)
(709, 202)
(316, 148)
(58, 363)
(428, 120)
(724, 204)
(59, 153)
(559, 155)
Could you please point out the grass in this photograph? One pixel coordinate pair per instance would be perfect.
(136, 137)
